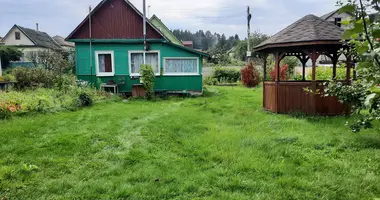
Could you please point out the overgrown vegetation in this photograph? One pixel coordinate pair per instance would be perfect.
(227, 74)
(148, 78)
(222, 146)
(364, 42)
(8, 54)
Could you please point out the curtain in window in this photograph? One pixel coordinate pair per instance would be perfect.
(181, 66)
(152, 59)
(137, 61)
(102, 66)
(105, 63)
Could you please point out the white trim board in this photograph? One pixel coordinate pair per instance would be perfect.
(97, 63)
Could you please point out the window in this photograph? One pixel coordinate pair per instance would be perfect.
(17, 35)
(105, 63)
(137, 59)
(181, 66)
(338, 22)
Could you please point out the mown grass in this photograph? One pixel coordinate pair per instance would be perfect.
(222, 146)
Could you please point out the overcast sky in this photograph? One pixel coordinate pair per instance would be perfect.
(223, 16)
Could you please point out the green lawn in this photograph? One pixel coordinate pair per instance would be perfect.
(223, 146)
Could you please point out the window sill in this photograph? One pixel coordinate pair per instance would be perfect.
(195, 74)
(138, 75)
(105, 75)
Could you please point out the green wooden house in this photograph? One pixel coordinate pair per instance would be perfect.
(109, 46)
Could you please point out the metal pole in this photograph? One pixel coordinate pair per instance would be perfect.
(249, 16)
(90, 34)
(144, 28)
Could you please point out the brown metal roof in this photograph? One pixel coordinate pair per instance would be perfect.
(309, 29)
(115, 19)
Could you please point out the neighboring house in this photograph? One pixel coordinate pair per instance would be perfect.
(189, 44)
(1, 43)
(336, 17)
(117, 51)
(65, 45)
(164, 30)
(29, 40)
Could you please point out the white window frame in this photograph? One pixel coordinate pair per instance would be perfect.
(143, 52)
(112, 63)
(181, 74)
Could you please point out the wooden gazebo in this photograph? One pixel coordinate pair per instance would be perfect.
(307, 38)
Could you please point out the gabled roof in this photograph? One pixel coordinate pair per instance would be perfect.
(308, 29)
(328, 15)
(100, 5)
(61, 41)
(39, 38)
(165, 30)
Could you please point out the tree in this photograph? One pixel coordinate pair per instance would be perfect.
(364, 42)
(240, 51)
(8, 54)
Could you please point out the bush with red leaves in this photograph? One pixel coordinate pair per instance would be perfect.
(250, 76)
(283, 72)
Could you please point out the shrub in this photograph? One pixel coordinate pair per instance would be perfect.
(85, 100)
(148, 78)
(231, 75)
(283, 73)
(326, 73)
(250, 76)
(210, 81)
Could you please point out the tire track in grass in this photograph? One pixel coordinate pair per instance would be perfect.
(130, 133)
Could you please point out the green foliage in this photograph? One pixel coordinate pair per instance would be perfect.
(148, 79)
(326, 73)
(210, 81)
(8, 54)
(292, 63)
(363, 37)
(240, 51)
(227, 74)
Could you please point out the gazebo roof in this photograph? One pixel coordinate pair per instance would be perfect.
(308, 30)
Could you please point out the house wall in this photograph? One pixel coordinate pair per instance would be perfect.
(122, 74)
(343, 16)
(11, 39)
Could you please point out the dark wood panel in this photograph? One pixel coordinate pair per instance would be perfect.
(270, 96)
(293, 98)
(115, 19)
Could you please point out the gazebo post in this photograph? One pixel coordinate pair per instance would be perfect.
(277, 67)
(334, 60)
(303, 59)
(348, 67)
(314, 56)
(265, 56)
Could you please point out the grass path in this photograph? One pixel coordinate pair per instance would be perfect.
(222, 146)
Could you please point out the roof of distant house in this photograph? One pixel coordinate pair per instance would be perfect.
(308, 29)
(328, 15)
(164, 30)
(61, 41)
(39, 38)
(187, 42)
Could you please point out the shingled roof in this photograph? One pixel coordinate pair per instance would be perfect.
(308, 29)
(39, 38)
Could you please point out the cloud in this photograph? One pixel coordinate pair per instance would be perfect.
(222, 16)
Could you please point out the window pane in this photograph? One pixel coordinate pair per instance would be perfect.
(152, 59)
(136, 62)
(105, 63)
(17, 35)
(181, 66)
